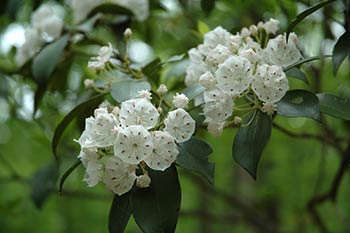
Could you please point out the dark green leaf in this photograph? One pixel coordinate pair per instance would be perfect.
(341, 50)
(152, 71)
(38, 96)
(128, 89)
(119, 213)
(251, 141)
(78, 110)
(334, 106)
(193, 155)
(305, 14)
(298, 74)
(44, 63)
(89, 24)
(66, 174)
(193, 91)
(207, 5)
(156, 208)
(110, 8)
(305, 60)
(299, 103)
(43, 183)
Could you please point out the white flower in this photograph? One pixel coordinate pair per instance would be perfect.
(93, 165)
(102, 130)
(278, 52)
(218, 106)
(47, 22)
(143, 181)
(138, 112)
(180, 125)
(104, 55)
(86, 140)
(33, 43)
(245, 32)
(81, 9)
(180, 100)
(271, 26)
(234, 75)
(119, 177)
(269, 107)
(133, 144)
(194, 71)
(215, 128)
(250, 54)
(270, 83)
(164, 152)
(207, 80)
(216, 37)
(144, 94)
(162, 89)
(217, 56)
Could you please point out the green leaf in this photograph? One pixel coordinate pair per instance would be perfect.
(66, 174)
(45, 62)
(78, 110)
(207, 5)
(128, 89)
(43, 183)
(202, 27)
(156, 209)
(251, 141)
(341, 50)
(299, 103)
(110, 8)
(298, 74)
(152, 71)
(193, 155)
(334, 106)
(119, 213)
(305, 60)
(305, 14)
(175, 58)
(193, 91)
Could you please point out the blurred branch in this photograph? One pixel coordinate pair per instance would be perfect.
(332, 141)
(249, 213)
(333, 191)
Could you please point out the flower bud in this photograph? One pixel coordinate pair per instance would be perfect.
(88, 83)
(162, 90)
(237, 120)
(128, 33)
(143, 181)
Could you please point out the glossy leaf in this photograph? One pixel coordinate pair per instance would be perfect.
(152, 70)
(193, 155)
(305, 14)
(43, 183)
(334, 106)
(110, 8)
(299, 103)
(251, 140)
(78, 110)
(193, 91)
(305, 60)
(298, 74)
(156, 208)
(119, 213)
(341, 50)
(67, 173)
(207, 6)
(128, 89)
(45, 62)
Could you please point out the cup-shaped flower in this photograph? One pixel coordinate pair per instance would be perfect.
(234, 75)
(180, 125)
(93, 165)
(270, 83)
(164, 152)
(133, 144)
(119, 177)
(138, 112)
(180, 100)
(218, 106)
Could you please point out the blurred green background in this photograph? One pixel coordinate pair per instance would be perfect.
(291, 171)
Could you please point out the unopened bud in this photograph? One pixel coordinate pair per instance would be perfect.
(127, 33)
(162, 89)
(237, 120)
(88, 83)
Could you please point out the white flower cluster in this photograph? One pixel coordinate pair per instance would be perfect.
(46, 26)
(114, 145)
(81, 9)
(245, 64)
(104, 55)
